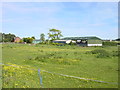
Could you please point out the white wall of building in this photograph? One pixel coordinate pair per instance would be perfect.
(94, 45)
(68, 41)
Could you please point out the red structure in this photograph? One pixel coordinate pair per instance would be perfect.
(17, 40)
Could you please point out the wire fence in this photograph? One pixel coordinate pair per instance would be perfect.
(15, 76)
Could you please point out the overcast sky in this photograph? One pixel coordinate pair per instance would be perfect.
(25, 19)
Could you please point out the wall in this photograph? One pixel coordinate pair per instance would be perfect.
(94, 45)
(94, 41)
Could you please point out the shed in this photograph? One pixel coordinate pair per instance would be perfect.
(86, 41)
(62, 41)
(36, 41)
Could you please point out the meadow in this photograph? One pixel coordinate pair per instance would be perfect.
(22, 61)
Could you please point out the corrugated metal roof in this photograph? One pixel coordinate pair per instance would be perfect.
(61, 40)
(81, 38)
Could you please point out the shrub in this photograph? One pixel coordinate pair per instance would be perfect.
(103, 55)
(40, 50)
(115, 53)
(97, 51)
(58, 44)
(40, 58)
(71, 43)
(21, 41)
(100, 53)
(30, 58)
(108, 43)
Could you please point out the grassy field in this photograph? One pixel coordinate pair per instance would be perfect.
(23, 62)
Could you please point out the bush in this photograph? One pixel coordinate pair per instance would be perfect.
(100, 53)
(103, 55)
(58, 44)
(41, 58)
(41, 50)
(108, 43)
(71, 43)
(97, 51)
(21, 41)
(115, 53)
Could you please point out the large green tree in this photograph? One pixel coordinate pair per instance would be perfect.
(28, 40)
(8, 37)
(54, 34)
(42, 37)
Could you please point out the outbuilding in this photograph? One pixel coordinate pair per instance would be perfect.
(86, 41)
(17, 39)
(62, 41)
(36, 41)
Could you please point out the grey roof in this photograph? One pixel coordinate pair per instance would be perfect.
(37, 40)
(81, 38)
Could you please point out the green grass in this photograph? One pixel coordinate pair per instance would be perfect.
(68, 60)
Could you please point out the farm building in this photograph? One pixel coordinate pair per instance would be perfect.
(17, 39)
(36, 41)
(86, 41)
(63, 41)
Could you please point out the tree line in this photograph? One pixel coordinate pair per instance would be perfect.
(7, 37)
(53, 34)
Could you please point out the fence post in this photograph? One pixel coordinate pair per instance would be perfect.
(40, 78)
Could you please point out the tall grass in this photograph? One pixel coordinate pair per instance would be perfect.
(68, 60)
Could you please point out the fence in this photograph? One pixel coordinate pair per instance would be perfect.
(15, 76)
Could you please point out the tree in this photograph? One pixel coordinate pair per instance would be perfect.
(33, 37)
(8, 37)
(28, 40)
(25, 40)
(42, 37)
(21, 41)
(117, 39)
(54, 34)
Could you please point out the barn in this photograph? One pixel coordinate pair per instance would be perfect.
(86, 41)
